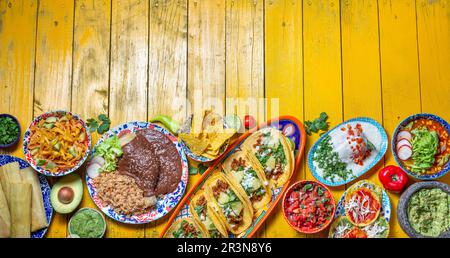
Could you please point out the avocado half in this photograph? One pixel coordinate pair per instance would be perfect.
(66, 194)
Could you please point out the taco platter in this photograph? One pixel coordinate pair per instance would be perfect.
(237, 193)
(363, 212)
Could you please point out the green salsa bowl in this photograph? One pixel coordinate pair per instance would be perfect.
(87, 223)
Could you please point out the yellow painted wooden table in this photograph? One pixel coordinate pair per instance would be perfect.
(133, 59)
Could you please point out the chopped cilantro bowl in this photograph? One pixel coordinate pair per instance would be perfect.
(9, 130)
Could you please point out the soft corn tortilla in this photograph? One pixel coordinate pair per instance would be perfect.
(177, 224)
(275, 134)
(230, 173)
(247, 209)
(209, 213)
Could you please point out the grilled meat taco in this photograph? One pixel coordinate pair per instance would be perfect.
(231, 207)
(343, 228)
(185, 228)
(363, 203)
(248, 179)
(204, 215)
(269, 148)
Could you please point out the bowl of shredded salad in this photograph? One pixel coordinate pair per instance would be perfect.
(57, 143)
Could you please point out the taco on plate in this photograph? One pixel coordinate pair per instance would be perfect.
(205, 216)
(270, 149)
(185, 228)
(248, 179)
(362, 203)
(224, 198)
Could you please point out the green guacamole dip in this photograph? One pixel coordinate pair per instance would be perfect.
(87, 223)
(428, 212)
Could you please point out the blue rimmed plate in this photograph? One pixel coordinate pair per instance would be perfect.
(164, 204)
(199, 158)
(405, 122)
(45, 188)
(378, 137)
(27, 151)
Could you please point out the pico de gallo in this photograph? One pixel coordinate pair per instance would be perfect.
(308, 206)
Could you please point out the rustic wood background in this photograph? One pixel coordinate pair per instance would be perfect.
(132, 59)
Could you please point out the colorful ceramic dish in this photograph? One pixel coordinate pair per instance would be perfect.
(347, 151)
(57, 143)
(421, 146)
(141, 163)
(308, 206)
(234, 188)
(9, 131)
(44, 189)
(423, 210)
(205, 136)
(363, 211)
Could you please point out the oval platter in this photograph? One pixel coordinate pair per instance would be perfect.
(381, 148)
(45, 188)
(292, 129)
(163, 205)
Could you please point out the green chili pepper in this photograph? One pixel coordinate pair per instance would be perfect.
(168, 122)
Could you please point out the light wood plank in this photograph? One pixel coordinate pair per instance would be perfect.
(168, 69)
(284, 81)
(17, 54)
(433, 25)
(206, 55)
(54, 56)
(128, 81)
(361, 66)
(322, 69)
(399, 74)
(53, 77)
(91, 65)
(245, 58)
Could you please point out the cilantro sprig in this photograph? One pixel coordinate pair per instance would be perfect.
(319, 124)
(101, 125)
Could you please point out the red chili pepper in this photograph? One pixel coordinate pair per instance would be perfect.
(393, 178)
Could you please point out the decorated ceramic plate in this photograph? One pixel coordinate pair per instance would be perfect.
(45, 188)
(42, 168)
(403, 146)
(357, 145)
(293, 130)
(186, 129)
(164, 204)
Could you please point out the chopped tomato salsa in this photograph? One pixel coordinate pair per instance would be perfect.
(309, 206)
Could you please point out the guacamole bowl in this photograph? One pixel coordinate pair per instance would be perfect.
(426, 193)
(87, 223)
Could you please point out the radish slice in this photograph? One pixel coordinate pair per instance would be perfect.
(404, 135)
(403, 142)
(99, 160)
(93, 170)
(404, 152)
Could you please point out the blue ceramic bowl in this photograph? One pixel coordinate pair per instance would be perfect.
(405, 122)
(17, 137)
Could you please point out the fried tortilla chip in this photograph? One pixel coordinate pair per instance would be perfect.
(197, 145)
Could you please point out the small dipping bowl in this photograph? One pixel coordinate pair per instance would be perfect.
(74, 235)
(14, 142)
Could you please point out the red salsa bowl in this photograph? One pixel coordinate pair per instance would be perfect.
(308, 206)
